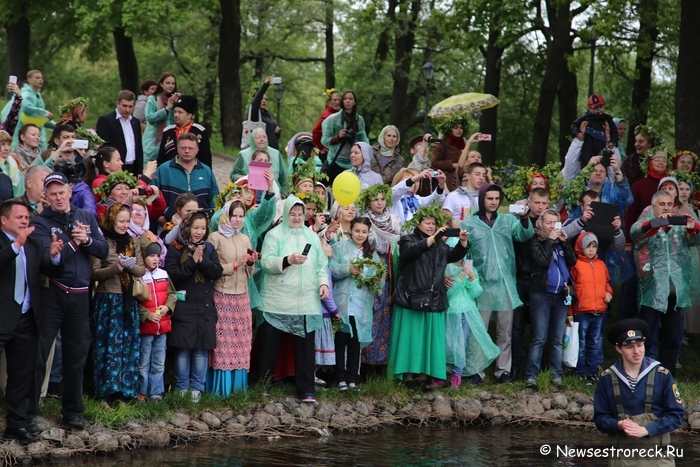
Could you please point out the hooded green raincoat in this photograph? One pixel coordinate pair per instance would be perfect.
(279, 167)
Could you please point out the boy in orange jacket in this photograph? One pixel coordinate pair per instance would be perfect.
(592, 284)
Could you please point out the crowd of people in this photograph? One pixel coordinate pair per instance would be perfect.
(124, 249)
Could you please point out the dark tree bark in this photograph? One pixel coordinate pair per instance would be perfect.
(126, 59)
(330, 53)
(492, 85)
(385, 37)
(641, 87)
(211, 75)
(18, 37)
(560, 27)
(229, 73)
(567, 98)
(687, 78)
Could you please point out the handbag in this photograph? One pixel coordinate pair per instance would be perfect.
(248, 128)
(140, 290)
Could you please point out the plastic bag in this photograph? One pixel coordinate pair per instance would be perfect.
(570, 346)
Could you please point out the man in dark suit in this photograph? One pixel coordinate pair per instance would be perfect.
(183, 110)
(122, 131)
(22, 259)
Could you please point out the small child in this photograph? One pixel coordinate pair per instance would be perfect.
(155, 322)
(354, 304)
(598, 132)
(592, 283)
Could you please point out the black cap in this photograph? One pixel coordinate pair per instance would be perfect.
(187, 103)
(628, 331)
(57, 177)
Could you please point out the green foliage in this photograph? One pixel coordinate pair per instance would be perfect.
(575, 188)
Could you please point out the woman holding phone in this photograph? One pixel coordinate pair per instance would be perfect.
(159, 114)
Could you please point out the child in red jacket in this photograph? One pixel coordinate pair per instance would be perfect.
(592, 284)
(155, 314)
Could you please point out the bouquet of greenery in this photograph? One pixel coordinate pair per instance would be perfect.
(516, 189)
(577, 186)
(371, 273)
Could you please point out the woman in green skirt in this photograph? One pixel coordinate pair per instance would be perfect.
(417, 348)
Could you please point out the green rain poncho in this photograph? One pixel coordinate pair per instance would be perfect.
(279, 167)
(479, 350)
(346, 293)
(662, 258)
(494, 258)
(292, 294)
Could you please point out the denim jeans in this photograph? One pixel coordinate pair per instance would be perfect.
(152, 365)
(190, 369)
(590, 350)
(465, 329)
(548, 316)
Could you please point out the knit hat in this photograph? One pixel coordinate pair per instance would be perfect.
(187, 103)
(152, 249)
(594, 100)
(588, 238)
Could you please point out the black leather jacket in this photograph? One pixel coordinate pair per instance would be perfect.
(541, 253)
(422, 269)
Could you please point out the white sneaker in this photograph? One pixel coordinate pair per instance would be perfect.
(196, 396)
(182, 392)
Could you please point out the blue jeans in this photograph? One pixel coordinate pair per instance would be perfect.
(190, 369)
(548, 316)
(590, 351)
(152, 365)
(457, 370)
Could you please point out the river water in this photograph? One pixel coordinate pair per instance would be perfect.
(415, 447)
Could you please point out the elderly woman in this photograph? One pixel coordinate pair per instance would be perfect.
(159, 114)
(119, 187)
(420, 299)
(655, 166)
(387, 160)
(258, 140)
(340, 131)
(295, 274)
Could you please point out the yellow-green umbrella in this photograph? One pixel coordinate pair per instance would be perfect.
(470, 102)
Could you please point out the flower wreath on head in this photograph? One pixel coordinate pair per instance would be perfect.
(312, 198)
(114, 179)
(306, 171)
(225, 195)
(445, 125)
(691, 179)
(523, 176)
(84, 133)
(649, 154)
(425, 212)
(577, 186)
(678, 155)
(72, 104)
(329, 93)
(646, 130)
(370, 194)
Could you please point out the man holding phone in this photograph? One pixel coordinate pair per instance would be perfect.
(663, 269)
(122, 131)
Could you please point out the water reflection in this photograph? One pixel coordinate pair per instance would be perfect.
(411, 447)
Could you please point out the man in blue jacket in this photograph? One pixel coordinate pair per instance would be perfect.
(637, 401)
(66, 303)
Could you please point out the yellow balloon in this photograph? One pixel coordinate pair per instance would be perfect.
(346, 188)
(38, 121)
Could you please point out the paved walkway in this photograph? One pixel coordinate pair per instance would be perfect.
(222, 164)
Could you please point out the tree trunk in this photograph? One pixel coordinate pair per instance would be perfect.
(18, 36)
(330, 53)
(687, 78)
(126, 60)
(400, 114)
(568, 100)
(385, 37)
(641, 87)
(560, 25)
(229, 73)
(492, 85)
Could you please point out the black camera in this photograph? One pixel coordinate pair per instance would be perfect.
(74, 172)
(434, 140)
(606, 154)
(327, 217)
(349, 135)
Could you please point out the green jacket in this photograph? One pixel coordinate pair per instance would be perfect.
(153, 118)
(290, 295)
(331, 127)
(32, 106)
(494, 258)
(662, 257)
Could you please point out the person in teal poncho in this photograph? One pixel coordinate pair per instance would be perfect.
(291, 290)
(258, 140)
(33, 109)
(355, 303)
(159, 114)
(491, 235)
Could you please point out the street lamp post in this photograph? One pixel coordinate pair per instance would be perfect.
(428, 73)
(591, 70)
(279, 92)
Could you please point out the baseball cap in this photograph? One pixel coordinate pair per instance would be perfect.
(57, 177)
(594, 100)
